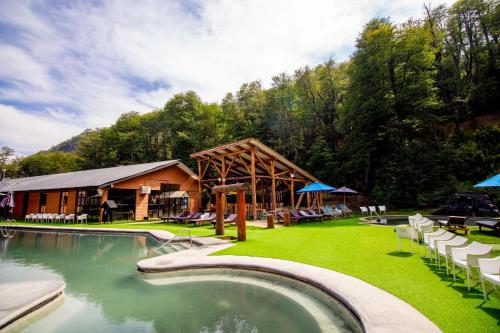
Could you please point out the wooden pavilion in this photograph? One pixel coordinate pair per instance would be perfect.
(269, 173)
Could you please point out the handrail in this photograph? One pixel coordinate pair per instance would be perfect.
(6, 232)
(177, 235)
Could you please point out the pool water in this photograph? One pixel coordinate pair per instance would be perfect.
(105, 293)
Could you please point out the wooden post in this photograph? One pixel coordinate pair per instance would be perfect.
(292, 193)
(286, 219)
(241, 215)
(273, 188)
(254, 186)
(219, 214)
(200, 178)
(308, 195)
(223, 197)
(270, 221)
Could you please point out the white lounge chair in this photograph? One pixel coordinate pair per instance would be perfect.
(364, 210)
(467, 257)
(382, 210)
(444, 249)
(406, 232)
(81, 218)
(489, 270)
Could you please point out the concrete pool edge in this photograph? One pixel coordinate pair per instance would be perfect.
(20, 299)
(159, 235)
(376, 309)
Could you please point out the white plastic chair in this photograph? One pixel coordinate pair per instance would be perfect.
(372, 209)
(489, 270)
(444, 249)
(406, 232)
(69, 218)
(426, 236)
(434, 240)
(59, 218)
(364, 210)
(81, 218)
(467, 257)
(382, 210)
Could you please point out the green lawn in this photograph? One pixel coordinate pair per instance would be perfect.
(369, 253)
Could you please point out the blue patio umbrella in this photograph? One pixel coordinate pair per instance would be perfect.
(490, 182)
(316, 187)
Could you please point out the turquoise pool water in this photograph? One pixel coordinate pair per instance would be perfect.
(105, 293)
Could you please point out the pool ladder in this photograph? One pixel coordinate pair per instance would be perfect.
(4, 229)
(177, 235)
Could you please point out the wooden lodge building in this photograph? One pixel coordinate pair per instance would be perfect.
(142, 190)
(164, 188)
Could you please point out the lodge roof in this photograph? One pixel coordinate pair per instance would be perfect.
(87, 178)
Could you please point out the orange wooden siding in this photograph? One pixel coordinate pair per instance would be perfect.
(52, 205)
(34, 202)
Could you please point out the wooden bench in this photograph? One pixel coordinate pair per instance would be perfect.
(454, 223)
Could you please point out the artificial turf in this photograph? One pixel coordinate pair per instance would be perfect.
(369, 253)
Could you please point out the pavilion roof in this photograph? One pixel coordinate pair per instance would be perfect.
(238, 157)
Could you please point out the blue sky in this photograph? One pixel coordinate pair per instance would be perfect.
(70, 65)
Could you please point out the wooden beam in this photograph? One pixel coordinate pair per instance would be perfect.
(241, 216)
(273, 187)
(200, 179)
(292, 192)
(301, 196)
(219, 214)
(230, 165)
(230, 188)
(254, 186)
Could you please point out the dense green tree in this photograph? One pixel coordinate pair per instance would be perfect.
(49, 162)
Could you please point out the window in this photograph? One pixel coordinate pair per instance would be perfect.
(43, 202)
(63, 202)
(87, 202)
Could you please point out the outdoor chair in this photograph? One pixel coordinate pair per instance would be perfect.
(297, 217)
(59, 218)
(453, 223)
(494, 225)
(425, 227)
(434, 241)
(69, 218)
(413, 218)
(185, 219)
(231, 218)
(425, 238)
(329, 211)
(82, 218)
(372, 210)
(467, 257)
(382, 210)
(173, 218)
(489, 270)
(364, 210)
(204, 218)
(310, 216)
(228, 220)
(444, 249)
(29, 217)
(405, 232)
(345, 209)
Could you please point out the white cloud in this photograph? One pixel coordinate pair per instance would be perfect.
(28, 132)
(94, 58)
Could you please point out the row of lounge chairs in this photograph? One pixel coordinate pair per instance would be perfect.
(198, 218)
(301, 216)
(56, 218)
(453, 248)
(370, 210)
(339, 211)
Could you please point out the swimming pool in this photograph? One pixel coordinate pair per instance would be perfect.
(105, 293)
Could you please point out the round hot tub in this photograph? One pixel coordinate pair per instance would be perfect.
(237, 300)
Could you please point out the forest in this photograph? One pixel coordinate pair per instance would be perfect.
(411, 117)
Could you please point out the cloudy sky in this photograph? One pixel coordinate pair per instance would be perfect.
(70, 65)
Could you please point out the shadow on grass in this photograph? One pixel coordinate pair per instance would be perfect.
(492, 312)
(400, 254)
(472, 294)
